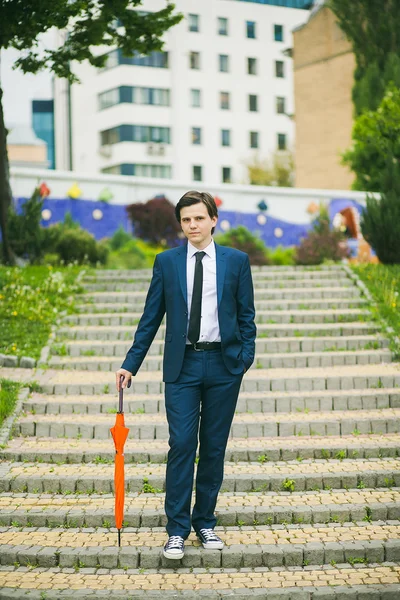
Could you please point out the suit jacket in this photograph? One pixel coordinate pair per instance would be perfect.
(168, 295)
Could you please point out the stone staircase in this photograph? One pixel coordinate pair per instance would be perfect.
(310, 504)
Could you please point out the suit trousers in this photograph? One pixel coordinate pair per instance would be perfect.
(200, 406)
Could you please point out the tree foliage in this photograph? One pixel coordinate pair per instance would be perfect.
(376, 137)
(380, 221)
(155, 221)
(87, 28)
(373, 29)
(242, 239)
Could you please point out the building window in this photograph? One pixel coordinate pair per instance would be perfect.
(281, 106)
(278, 33)
(253, 103)
(197, 173)
(251, 29)
(226, 175)
(225, 100)
(195, 98)
(155, 171)
(154, 59)
(43, 126)
(196, 135)
(253, 139)
(223, 63)
(222, 26)
(134, 95)
(282, 141)
(135, 133)
(279, 68)
(194, 60)
(225, 137)
(194, 22)
(252, 66)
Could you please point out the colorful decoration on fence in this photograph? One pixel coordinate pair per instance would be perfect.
(262, 205)
(44, 190)
(261, 219)
(218, 201)
(106, 195)
(278, 232)
(312, 208)
(225, 225)
(74, 191)
(46, 214)
(97, 214)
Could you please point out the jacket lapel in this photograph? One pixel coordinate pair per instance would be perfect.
(181, 266)
(221, 269)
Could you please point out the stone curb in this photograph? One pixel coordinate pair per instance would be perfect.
(12, 361)
(8, 423)
(226, 517)
(231, 483)
(235, 556)
(358, 592)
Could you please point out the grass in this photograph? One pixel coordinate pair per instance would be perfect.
(8, 397)
(31, 299)
(383, 282)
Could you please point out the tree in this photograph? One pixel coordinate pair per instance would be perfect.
(373, 29)
(376, 137)
(380, 221)
(155, 221)
(89, 24)
(279, 173)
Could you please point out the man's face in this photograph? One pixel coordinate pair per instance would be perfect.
(196, 224)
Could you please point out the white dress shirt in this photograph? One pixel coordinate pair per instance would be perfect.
(209, 325)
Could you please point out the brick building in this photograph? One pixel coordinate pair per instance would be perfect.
(323, 79)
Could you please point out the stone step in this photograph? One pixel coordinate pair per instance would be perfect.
(293, 360)
(272, 317)
(303, 294)
(120, 332)
(263, 345)
(269, 546)
(136, 305)
(233, 509)
(73, 451)
(332, 582)
(154, 426)
(239, 477)
(137, 275)
(251, 402)
(278, 283)
(355, 377)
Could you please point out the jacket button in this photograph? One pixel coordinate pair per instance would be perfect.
(183, 334)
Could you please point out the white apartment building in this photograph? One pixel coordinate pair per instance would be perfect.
(219, 94)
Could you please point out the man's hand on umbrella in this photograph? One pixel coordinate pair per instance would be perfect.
(127, 375)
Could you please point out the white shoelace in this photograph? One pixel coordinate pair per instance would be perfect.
(209, 534)
(175, 541)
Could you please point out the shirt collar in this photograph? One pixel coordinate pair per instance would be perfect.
(210, 250)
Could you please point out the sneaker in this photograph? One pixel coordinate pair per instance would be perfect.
(209, 539)
(174, 548)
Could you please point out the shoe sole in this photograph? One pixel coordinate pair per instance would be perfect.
(213, 546)
(174, 556)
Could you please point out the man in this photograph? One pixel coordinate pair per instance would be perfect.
(207, 294)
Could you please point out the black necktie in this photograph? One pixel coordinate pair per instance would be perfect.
(195, 309)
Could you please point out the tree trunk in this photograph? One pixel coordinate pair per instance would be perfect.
(5, 189)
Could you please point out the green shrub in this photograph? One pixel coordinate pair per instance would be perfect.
(322, 243)
(242, 239)
(119, 239)
(74, 244)
(380, 221)
(130, 256)
(27, 237)
(282, 256)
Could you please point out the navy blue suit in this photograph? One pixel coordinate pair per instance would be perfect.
(201, 387)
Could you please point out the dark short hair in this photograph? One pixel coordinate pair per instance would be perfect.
(194, 197)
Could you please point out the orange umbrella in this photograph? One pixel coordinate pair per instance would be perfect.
(119, 433)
